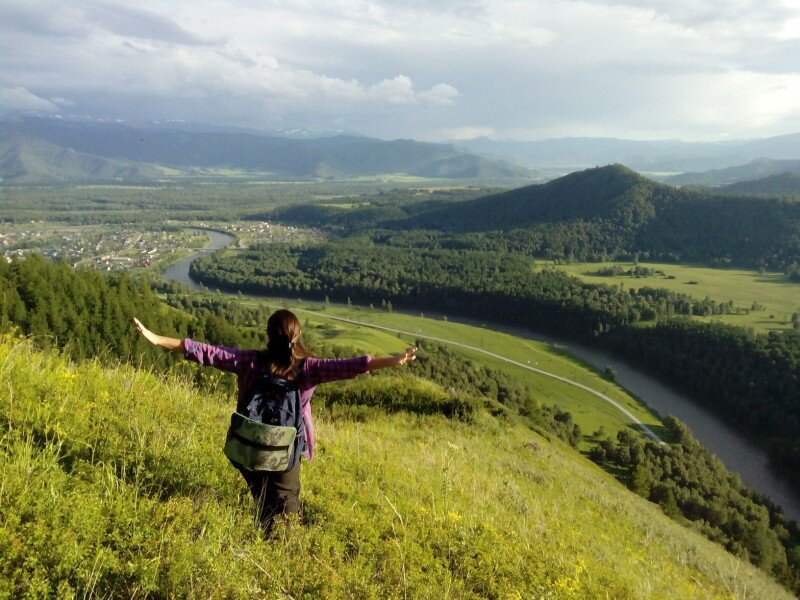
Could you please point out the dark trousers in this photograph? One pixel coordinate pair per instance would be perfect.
(274, 493)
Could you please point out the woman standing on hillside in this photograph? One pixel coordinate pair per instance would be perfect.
(287, 360)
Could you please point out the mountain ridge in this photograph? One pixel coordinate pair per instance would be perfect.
(755, 169)
(676, 156)
(338, 156)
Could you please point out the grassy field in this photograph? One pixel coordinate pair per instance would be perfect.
(112, 484)
(779, 297)
(589, 411)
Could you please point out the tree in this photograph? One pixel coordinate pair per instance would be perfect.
(669, 505)
(640, 482)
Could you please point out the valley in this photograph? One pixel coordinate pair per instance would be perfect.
(351, 260)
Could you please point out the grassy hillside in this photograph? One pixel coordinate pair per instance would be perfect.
(113, 484)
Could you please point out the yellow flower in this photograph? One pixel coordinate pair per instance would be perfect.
(455, 517)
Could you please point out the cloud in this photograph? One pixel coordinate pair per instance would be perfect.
(441, 94)
(388, 68)
(139, 23)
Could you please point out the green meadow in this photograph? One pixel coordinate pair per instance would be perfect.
(778, 296)
(589, 411)
(113, 485)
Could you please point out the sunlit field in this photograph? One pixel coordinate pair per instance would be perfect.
(778, 296)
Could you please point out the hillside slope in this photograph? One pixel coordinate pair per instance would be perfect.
(112, 484)
(26, 159)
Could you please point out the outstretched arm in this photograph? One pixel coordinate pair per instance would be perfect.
(392, 361)
(322, 370)
(168, 343)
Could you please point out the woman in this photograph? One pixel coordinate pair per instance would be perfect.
(285, 357)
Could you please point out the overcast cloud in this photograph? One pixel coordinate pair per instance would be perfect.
(448, 69)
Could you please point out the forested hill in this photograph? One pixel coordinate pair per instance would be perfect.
(611, 210)
(612, 192)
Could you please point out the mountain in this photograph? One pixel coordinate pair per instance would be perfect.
(783, 184)
(585, 195)
(755, 169)
(337, 156)
(612, 210)
(569, 154)
(31, 160)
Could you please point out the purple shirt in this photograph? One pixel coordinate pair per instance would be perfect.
(244, 363)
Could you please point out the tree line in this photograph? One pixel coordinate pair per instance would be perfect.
(693, 487)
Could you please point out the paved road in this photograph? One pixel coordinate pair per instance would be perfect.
(586, 388)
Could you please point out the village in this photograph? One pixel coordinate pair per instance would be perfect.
(127, 248)
(101, 248)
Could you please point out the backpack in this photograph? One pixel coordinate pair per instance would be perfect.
(269, 436)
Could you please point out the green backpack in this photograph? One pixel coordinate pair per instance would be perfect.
(269, 437)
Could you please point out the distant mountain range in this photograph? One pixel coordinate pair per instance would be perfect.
(50, 150)
(660, 156)
(781, 185)
(756, 169)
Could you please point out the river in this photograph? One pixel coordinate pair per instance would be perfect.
(737, 452)
(179, 271)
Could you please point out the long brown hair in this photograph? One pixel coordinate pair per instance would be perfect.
(285, 349)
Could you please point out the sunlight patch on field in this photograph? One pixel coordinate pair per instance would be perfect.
(779, 297)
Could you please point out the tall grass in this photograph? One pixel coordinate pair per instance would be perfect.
(113, 484)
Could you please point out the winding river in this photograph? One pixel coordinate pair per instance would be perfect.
(736, 451)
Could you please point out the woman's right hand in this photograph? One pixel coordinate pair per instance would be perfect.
(168, 343)
(149, 335)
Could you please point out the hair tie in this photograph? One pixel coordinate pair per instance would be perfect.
(291, 344)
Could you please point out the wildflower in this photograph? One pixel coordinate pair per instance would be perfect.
(455, 517)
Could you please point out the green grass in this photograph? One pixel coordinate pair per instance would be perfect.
(774, 291)
(589, 411)
(112, 484)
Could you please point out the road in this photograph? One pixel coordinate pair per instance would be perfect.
(649, 432)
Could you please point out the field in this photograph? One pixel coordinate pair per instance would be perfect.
(589, 411)
(113, 485)
(779, 297)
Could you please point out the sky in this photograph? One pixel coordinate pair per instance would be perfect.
(422, 69)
